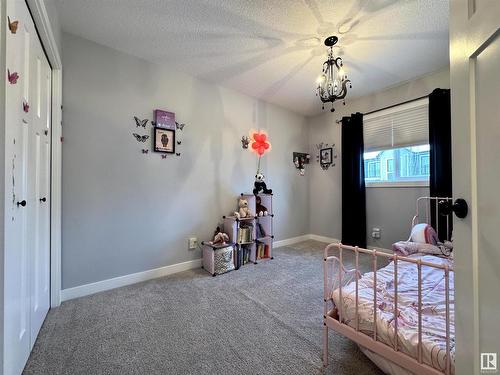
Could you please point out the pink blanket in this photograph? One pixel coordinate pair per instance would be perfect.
(406, 248)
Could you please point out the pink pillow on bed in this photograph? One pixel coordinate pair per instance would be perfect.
(424, 233)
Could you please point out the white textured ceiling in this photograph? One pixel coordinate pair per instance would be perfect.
(272, 49)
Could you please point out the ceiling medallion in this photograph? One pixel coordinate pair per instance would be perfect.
(332, 83)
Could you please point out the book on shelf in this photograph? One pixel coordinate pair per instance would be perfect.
(260, 230)
(245, 233)
(262, 250)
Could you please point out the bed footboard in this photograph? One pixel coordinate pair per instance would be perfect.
(337, 276)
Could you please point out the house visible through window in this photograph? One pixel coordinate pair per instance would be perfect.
(397, 145)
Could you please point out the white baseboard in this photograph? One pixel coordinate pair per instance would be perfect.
(291, 241)
(101, 286)
(305, 237)
(328, 240)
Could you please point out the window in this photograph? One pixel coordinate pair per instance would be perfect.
(397, 145)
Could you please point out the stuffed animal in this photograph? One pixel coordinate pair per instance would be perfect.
(243, 211)
(261, 210)
(220, 238)
(260, 185)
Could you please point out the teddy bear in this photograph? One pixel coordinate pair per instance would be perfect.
(261, 210)
(260, 185)
(220, 238)
(243, 211)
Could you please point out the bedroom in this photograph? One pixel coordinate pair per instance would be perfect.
(131, 202)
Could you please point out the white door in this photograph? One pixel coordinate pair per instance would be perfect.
(27, 266)
(38, 186)
(475, 92)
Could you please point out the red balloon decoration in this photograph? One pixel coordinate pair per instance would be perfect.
(260, 143)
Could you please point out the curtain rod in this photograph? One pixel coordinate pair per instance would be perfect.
(390, 106)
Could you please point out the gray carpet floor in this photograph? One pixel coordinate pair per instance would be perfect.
(261, 319)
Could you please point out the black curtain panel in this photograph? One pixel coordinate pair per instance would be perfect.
(440, 154)
(353, 182)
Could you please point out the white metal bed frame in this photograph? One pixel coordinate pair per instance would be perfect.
(392, 353)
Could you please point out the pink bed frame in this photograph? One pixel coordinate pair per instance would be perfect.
(392, 353)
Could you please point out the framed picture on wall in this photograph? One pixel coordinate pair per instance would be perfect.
(164, 119)
(325, 156)
(164, 140)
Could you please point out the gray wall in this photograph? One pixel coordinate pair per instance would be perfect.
(390, 209)
(125, 212)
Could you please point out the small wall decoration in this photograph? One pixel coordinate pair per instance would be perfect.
(13, 25)
(326, 155)
(299, 160)
(245, 141)
(26, 107)
(139, 122)
(179, 125)
(164, 119)
(164, 140)
(13, 77)
(140, 138)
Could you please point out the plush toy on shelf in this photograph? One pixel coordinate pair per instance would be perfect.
(261, 210)
(220, 238)
(260, 185)
(243, 211)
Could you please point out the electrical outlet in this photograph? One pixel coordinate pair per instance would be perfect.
(193, 243)
(376, 233)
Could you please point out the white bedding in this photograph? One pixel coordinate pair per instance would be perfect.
(433, 309)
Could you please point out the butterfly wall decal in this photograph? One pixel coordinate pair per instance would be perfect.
(178, 153)
(179, 142)
(13, 77)
(245, 141)
(144, 151)
(26, 107)
(179, 126)
(139, 122)
(13, 25)
(140, 138)
(163, 156)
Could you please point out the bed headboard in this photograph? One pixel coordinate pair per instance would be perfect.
(436, 209)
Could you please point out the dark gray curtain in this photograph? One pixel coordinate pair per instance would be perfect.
(440, 153)
(353, 182)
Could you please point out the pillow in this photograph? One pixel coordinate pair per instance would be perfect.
(424, 233)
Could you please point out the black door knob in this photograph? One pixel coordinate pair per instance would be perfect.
(459, 207)
(22, 203)
(43, 199)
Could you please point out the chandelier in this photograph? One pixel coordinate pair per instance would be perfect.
(332, 83)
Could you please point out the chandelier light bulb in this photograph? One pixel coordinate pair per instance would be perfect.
(320, 79)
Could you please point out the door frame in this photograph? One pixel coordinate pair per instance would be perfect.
(46, 33)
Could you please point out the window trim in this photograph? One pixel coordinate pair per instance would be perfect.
(397, 184)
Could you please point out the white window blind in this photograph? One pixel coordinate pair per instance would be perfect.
(404, 125)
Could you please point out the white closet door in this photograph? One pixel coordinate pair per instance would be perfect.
(26, 266)
(38, 194)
